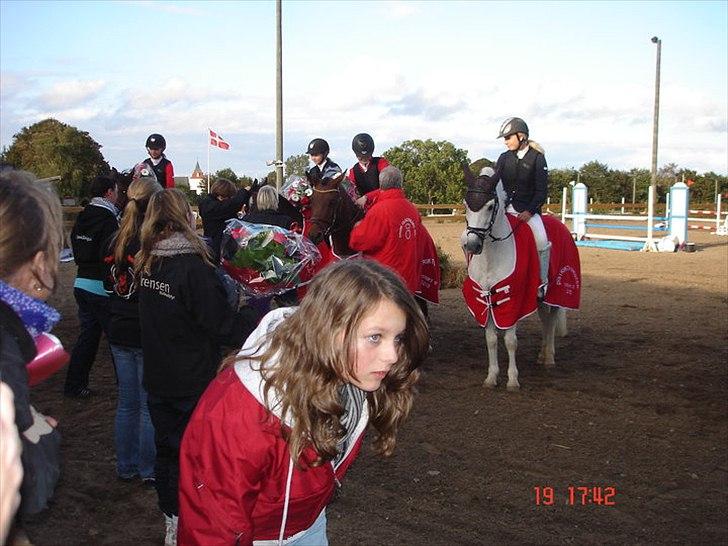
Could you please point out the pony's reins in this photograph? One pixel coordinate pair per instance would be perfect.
(481, 233)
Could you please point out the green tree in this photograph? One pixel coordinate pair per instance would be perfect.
(227, 172)
(560, 179)
(432, 170)
(245, 181)
(296, 164)
(52, 148)
(639, 180)
(478, 165)
(596, 176)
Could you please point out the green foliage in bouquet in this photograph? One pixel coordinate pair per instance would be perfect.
(266, 255)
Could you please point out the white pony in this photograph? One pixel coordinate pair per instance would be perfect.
(495, 283)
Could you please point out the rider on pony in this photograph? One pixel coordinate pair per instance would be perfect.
(364, 175)
(323, 168)
(524, 174)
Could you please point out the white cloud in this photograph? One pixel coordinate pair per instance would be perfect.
(70, 93)
(70, 115)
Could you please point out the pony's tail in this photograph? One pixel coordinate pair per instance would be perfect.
(536, 146)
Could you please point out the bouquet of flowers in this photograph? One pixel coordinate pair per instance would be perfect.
(297, 190)
(265, 260)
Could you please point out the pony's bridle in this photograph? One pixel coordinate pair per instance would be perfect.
(326, 226)
(479, 232)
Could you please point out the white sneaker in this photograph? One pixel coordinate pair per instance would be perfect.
(170, 523)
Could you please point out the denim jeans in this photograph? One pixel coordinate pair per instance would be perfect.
(313, 536)
(94, 315)
(170, 417)
(134, 433)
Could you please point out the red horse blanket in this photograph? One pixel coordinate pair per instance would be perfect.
(515, 297)
(564, 288)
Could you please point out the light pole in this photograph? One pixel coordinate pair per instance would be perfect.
(279, 98)
(650, 244)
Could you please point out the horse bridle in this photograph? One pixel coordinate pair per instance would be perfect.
(481, 233)
(326, 230)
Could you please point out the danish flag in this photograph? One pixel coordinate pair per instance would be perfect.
(217, 140)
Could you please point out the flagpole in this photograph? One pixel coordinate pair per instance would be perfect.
(279, 98)
(208, 161)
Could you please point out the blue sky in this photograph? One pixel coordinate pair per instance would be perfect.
(580, 73)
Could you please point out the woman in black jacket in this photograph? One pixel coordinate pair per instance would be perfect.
(184, 315)
(30, 241)
(223, 203)
(267, 212)
(523, 171)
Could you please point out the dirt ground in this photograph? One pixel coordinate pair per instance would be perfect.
(637, 402)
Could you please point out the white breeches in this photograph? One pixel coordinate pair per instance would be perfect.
(536, 225)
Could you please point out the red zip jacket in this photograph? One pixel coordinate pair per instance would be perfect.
(234, 463)
(389, 234)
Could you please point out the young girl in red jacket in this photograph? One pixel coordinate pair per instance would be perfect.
(274, 433)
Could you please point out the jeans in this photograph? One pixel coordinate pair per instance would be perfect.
(134, 433)
(170, 417)
(313, 536)
(94, 315)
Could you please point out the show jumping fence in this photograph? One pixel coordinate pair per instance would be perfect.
(678, 219)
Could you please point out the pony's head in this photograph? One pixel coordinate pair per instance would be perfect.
(481, 207)
(325, 203)
(123, 180)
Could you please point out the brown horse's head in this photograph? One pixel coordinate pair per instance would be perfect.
(123, 179)
(325, 203)
(332, 214)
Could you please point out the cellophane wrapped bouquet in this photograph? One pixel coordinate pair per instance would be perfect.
(265, 260)
(297, 190)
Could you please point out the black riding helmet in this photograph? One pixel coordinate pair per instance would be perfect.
(511, 126)
(363, 145)
(318, 146)
(156, 141)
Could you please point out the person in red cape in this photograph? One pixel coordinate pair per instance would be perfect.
(392, 232)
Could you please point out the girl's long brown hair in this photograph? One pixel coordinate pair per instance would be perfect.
(168, 212)
(138, 194)
(31, 221)
(313, 352)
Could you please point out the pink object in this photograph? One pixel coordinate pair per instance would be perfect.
(51, 358)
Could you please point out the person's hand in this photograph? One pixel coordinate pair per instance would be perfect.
(362, 201)
(11, 469)
(525, 216)
(52, 421)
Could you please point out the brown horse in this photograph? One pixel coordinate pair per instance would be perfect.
(331, 216)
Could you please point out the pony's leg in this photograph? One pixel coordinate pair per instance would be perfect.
(491, 338)
(549, 317)
(512, 345)
(561, 329)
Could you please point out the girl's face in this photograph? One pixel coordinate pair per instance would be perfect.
(377, 344)
(512, 142)
(155, 153)
(317, 158)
